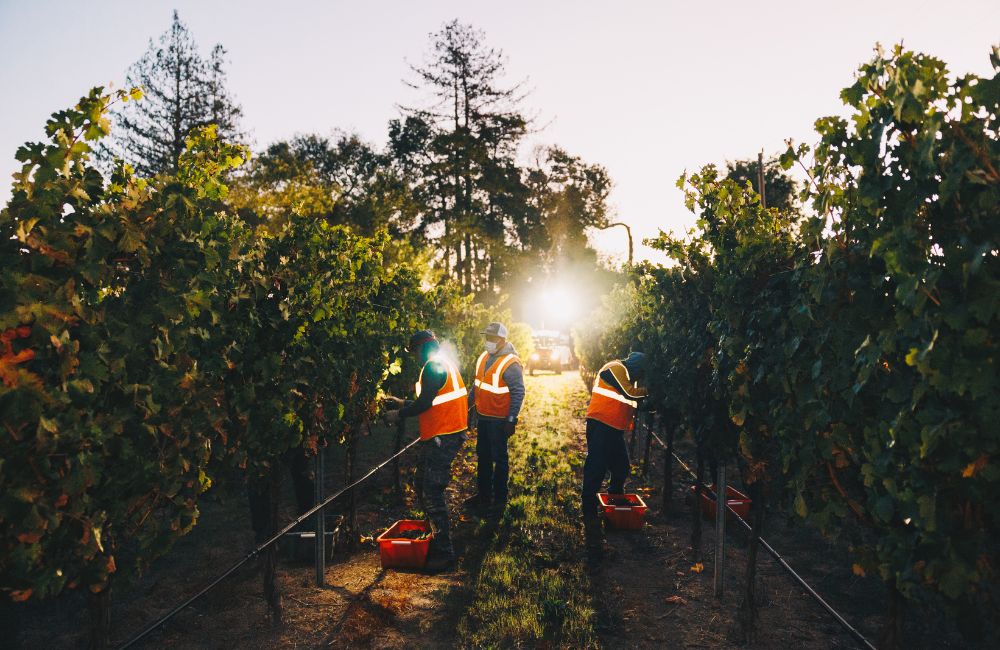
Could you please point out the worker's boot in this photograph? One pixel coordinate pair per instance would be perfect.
(439, 563)
(483, 500)
(593, 537)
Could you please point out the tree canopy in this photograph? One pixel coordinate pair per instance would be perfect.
(182, 91)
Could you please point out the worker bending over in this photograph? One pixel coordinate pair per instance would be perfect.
(612, 405)
(440, 407)
(497, 394)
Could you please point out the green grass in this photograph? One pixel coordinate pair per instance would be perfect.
(530, 585)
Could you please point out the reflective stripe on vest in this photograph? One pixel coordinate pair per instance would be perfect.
(609, 406)
(492, 393)
(448, 412)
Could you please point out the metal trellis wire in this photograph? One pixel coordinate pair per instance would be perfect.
(857, 636)
(249, 556)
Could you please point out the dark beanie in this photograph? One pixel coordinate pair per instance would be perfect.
(633, 363)
(419, 338)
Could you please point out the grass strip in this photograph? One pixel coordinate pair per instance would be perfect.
(530, 584)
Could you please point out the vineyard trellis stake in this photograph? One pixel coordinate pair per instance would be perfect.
(320, 550)
(721, 505)
(647, 426)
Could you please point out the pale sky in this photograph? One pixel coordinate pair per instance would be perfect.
(646, 89)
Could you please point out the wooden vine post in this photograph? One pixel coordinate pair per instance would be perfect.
(635, 427)
(720, 530)
(397, 478)
(99, 618)
(760, 179)
(352, 496)
(699, 490)
(271, 592)
(649, 441)
(748, 612)
(320, 528)
(667, 427)
(10, 625)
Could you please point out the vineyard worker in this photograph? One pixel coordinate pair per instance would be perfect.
(612, 405)
(497, 395)
(441, 409)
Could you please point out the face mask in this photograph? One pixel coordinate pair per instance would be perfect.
(491, 347)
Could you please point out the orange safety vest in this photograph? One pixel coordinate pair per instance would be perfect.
(448, 412)
(492, 394)
(608, 405)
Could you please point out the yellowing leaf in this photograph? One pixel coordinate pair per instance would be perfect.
(975, 466)
(698, 568)
(20, 596)
(858, 571)
(800, 506)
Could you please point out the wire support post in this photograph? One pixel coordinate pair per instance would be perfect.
(648, 423)
(721, 506)
(320, 546)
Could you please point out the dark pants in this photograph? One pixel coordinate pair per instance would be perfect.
(433, 475)
(491, 448)
(606, 450)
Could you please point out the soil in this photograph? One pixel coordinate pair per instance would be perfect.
(647, 592)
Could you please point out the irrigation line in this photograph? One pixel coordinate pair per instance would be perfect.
(857, 636)
(163, 619)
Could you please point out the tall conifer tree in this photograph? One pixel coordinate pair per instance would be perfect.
(468, 136)
(182, 91)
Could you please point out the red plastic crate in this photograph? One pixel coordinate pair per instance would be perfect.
(739, 502)
(624, 517)
(405, 553)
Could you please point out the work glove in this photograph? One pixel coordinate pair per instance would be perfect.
(391, 418)
(508, 428)
(392, 403)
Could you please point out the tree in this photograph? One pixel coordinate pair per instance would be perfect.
(182, 92)
(346, 183)
(779, 187)
(463, 144)
(566, 197)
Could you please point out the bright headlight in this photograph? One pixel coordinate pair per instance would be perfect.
(534, 357)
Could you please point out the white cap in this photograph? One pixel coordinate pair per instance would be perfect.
(496, 329)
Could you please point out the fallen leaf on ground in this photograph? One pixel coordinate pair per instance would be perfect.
(698, 568)
(677, 599)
